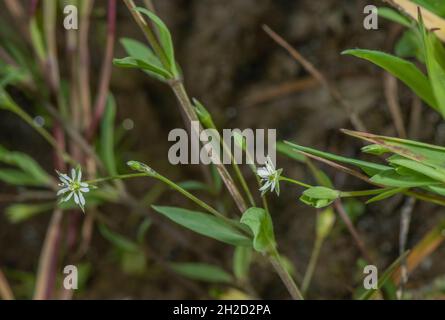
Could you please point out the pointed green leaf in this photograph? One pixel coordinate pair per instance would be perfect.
(391, 178)
(206, 225)
(394, 16)
(164, 37)
(130, 62)
(367, 167)
(385, 195)
(402, 69)
(434, 52)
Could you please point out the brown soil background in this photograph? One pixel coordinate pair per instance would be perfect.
(228, 63)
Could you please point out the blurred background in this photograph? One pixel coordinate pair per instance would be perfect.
(246, 81)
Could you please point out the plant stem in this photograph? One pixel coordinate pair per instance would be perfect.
(184, 100)
(362, 193)
(118, 177)
(280, 268)
(302, 184)
(239, 174)
(149, 34)
(174, 186)
(312, 264)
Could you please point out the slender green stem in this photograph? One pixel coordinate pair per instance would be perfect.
(184, 101)
(118, 177)
(280, 268)
(362, 193)
(239, 174)
(302, 184)
(312, 264)
(149, 34)
(171, 184)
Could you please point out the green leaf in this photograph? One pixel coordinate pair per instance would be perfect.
(432, 172)
(142, 52)
(409, 46)
(319, 197)
(367, 167)
(402, 69)
(434, 53)
(394, 16)
(260, 223)
(418, 151)
(242, 259)
(165, 38)
(107, 137)
(290, 152)
(205, 224)
(36, 175)
(130, 62)
(18, 178)
(18, 213)
(37, 39)
(202, 272)
(385, 195)
(117, 240)
(391, 178)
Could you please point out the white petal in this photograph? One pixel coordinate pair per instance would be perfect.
(62, 191)
(73, 174)
(84, 184)
(79, 175)
(266, 186)
(272, 186)
(76, 198)
(64, 178)
(269, 165)
(82, 199)
(84, 190)
(68, 197)
(262, 172)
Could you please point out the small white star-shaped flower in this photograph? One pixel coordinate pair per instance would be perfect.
(73, 187)
(270, 177)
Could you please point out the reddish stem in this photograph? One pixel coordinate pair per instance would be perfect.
(105, 78)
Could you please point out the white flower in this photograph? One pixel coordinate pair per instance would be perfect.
(270, 177)
(73, 187)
